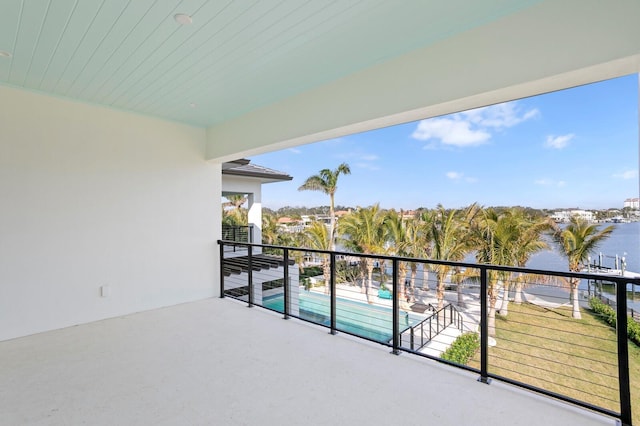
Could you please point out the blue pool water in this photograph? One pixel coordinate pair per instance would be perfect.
(362, 319)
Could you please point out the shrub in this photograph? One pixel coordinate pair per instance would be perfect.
(462, 349)
(608, 315)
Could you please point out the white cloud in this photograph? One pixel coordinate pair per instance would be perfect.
(473, 127)
(450, 131)
(458, 176)
(295, 150)
(628, 174)
(558, 142)
(369, 157)
(499, 116)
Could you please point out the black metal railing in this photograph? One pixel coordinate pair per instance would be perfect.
(419, 335)
(531, 314)
(239, 234)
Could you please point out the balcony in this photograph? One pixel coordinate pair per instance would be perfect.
(217, 362)
(541, 346)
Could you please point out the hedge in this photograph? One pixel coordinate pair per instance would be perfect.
(608, 315)
(462, 349)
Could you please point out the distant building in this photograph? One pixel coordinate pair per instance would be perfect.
(633, 203)
(566, 215)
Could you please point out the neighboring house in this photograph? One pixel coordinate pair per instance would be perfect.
(566, 215)
(242, 177)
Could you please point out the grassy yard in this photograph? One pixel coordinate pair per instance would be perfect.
(548, 349)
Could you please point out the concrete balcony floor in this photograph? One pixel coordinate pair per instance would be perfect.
(216, 362)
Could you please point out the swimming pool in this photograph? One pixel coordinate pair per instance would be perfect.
(370, 321)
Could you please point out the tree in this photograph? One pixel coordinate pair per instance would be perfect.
(327, 181)
(397, 235)
(269, 229)
(495, 235)
(449, 235)
(530, 242)
(316, 237)
(236, 216)
(576, 241)
(363, 232)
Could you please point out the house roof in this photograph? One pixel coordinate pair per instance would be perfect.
(243, 167)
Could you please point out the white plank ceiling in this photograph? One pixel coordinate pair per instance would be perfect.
(235, 57)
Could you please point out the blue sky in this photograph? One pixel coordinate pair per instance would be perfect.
(573, 148)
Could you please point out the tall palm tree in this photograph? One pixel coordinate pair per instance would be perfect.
(495, 235)
(531, 241)
(316, 237)
(419, 247)
(398, 237)
(327, 181)
(449, 235)
(424, 242)
(363, 232)
(527, 234)
(576, 241)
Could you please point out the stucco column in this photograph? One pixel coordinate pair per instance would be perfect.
(254, 218)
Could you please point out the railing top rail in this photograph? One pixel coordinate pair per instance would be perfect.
(487, 266)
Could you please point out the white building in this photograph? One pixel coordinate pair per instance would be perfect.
(566, 215)
(633, 203)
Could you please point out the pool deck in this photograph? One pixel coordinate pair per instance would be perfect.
(218, 362)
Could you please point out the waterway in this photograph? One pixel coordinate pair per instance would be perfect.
(623, 242)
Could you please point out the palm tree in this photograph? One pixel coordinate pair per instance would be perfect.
(236, 201)
(269, 229)
(449, 235)
(527, 235)
(495, 235)
(397, 235)
(576, 241)
(363, 232)
(424, 243)
(316, 237)
(419, 247)
(531, 241)
(327, 181)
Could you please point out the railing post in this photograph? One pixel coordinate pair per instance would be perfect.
(250, 275)
(332, 290)
(412, 339)
(623, 353)
(484, 328)
(395, 308)
(221, 269)
(286, 283)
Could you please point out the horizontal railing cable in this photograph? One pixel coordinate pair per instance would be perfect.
(540, 346)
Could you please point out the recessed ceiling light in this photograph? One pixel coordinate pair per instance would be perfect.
(5, 54)
(183, 19)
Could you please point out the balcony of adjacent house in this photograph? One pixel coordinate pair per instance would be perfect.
(239, 234)
(526, 328)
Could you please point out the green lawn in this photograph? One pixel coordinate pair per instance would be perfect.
(548, 349)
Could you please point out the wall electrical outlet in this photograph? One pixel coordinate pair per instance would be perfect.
(105, 290)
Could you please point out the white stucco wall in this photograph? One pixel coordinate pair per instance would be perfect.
(93, 197)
